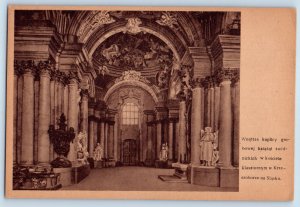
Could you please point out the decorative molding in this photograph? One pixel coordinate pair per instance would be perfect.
(133, 26)
(169, 20)
(132, 75)
(101, 18)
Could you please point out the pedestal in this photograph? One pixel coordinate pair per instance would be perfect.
(65, 175)
(205, 176)
(229, 177)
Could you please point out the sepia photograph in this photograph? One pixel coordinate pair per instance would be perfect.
(124, 100)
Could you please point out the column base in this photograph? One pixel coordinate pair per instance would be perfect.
(229, 177)
(204, 176)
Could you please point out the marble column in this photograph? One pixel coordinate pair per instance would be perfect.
(44, 116)
(217, 107)
(149, 141)
(202, 108)
(36, 117)
(84, 108)
(170, 139)
(52, 113)
(110, 140)
(73, 113)
(16, 74)
(116, 138)
(66, 101)
(97, 127)
(158, 138)
(196, 120)
(91, 129)
(236, 130)
(19, 120)
(212, 108)
(225, 131)
(28, 115)
(102, 134)
(106, 128)
(182, 155)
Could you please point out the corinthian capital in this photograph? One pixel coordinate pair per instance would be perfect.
(45, 67)
(229, 74)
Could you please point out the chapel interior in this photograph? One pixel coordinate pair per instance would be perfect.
(105, 91)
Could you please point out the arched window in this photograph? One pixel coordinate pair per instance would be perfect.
(130, 114)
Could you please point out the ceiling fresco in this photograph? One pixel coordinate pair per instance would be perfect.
(133, 51)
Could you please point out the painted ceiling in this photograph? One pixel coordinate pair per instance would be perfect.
(133, 51)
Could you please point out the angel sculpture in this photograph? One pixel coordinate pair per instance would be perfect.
(208, 147)
(164, 152)
(98, 152)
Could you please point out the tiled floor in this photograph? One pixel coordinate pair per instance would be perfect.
(135, 179)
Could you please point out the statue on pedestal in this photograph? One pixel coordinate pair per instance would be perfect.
(164, 152)
(208, 147)
(82, 153)
(98, 152)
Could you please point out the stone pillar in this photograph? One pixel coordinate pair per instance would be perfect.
(16, 74)
(225, 131)
(91, 128)
(196, 120)
(84, 108)
(182, 155)
(217, 107)
(106, 127)
(102, 134)
(202, 108)
(212, 108)
(73, 113)
(171, 138)
(36, 116)
(110, 140)
(158, 138)
(97, 127)
(27, 115)
(52, 113)
(66, 101)
(44, 115)
(116, 139)
(19, 120)
(149, 141)
(236, 130)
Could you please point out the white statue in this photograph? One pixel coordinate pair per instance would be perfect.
(98, 152)
(164, 152)
(208, 147)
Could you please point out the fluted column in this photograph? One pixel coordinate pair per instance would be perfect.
(182, 131)
(236, 130)
(84, 108)
(16, 74)
(91, 128)
(44, 114)
(225, 131)
(149, 141)
(73, 113)
(196, 120)
(110, 140)
(102, 134)
(170, 140)
(158, 138)
(27, 115)
(217, 107)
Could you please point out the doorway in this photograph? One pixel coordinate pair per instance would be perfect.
(129, 152)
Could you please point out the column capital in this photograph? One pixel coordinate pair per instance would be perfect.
(26, 67)
(84, 94)
(227, 74)
(73, 77)
(198, 82)
(45, 68)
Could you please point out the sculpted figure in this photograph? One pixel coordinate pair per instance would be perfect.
(208, 148)
(82, 153)
(164, 152)
(98, 152)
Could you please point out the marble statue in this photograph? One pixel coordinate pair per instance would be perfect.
(164, 152)
(208, 147)
(98, 152)
(82, 153)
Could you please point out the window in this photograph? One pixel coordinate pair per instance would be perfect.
(130, 114)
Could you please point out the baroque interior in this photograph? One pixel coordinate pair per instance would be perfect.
(99, 89)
